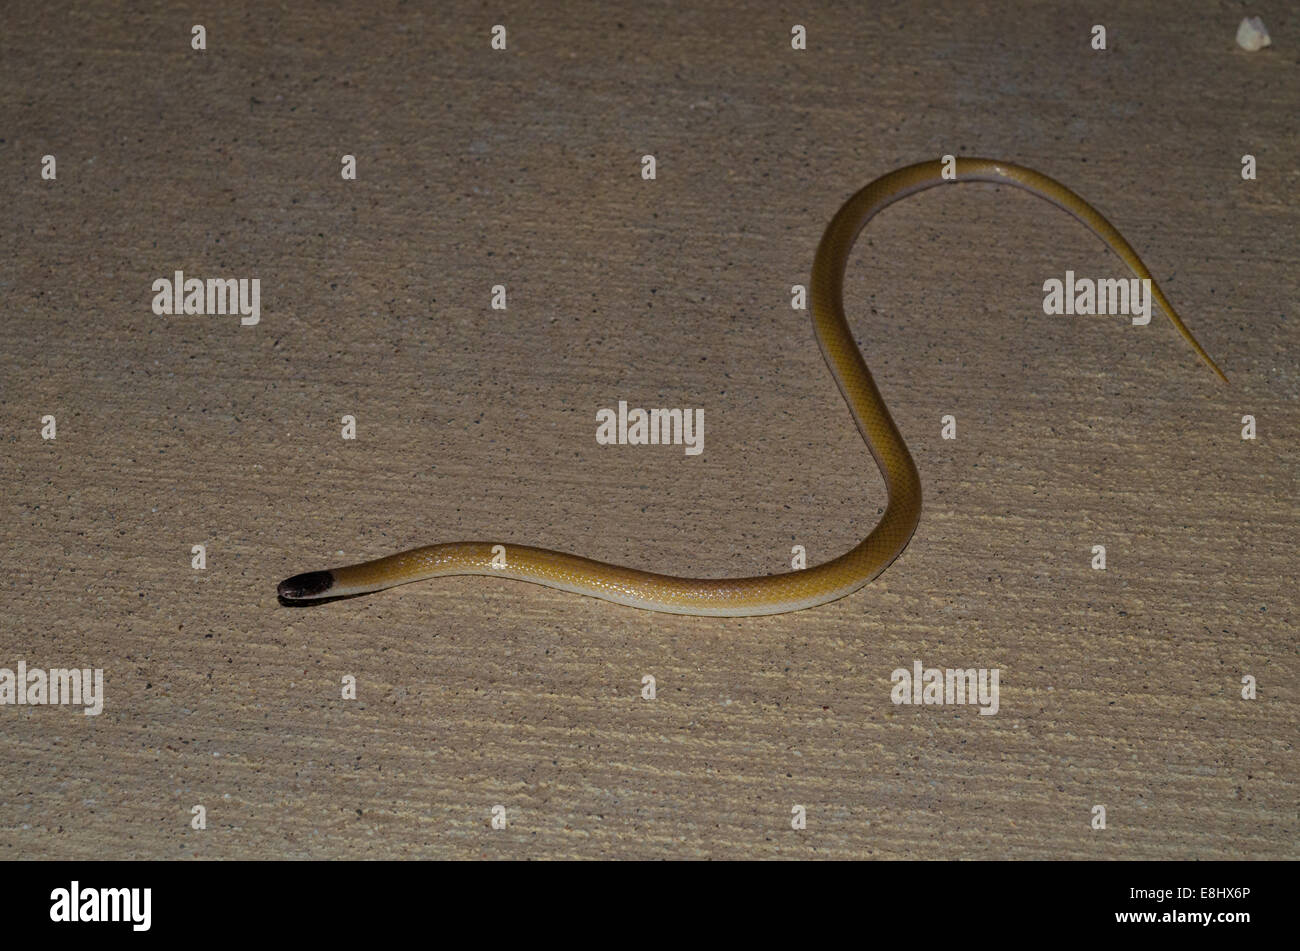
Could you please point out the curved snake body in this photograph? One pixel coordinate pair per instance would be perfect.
(777, 593)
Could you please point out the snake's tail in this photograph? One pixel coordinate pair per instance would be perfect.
(1059, 195)
(1168, 308)
(1125, 251)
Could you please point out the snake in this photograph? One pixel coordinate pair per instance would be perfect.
(803, 587)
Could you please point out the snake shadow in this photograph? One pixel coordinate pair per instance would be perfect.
(312, 602)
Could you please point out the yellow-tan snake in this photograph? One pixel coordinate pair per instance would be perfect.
(776, 593)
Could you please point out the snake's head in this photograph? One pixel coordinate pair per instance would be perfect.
(306, 587)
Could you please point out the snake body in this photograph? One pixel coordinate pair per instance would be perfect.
(776, 593)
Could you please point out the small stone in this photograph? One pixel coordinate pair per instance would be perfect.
(1252, 34)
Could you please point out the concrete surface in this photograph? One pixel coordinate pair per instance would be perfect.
(1120, 688)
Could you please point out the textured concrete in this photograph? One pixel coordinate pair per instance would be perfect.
(1120, 688)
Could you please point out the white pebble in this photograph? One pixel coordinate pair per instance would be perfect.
(1252, 34)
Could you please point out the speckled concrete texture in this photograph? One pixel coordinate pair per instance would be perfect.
(1120, 688)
